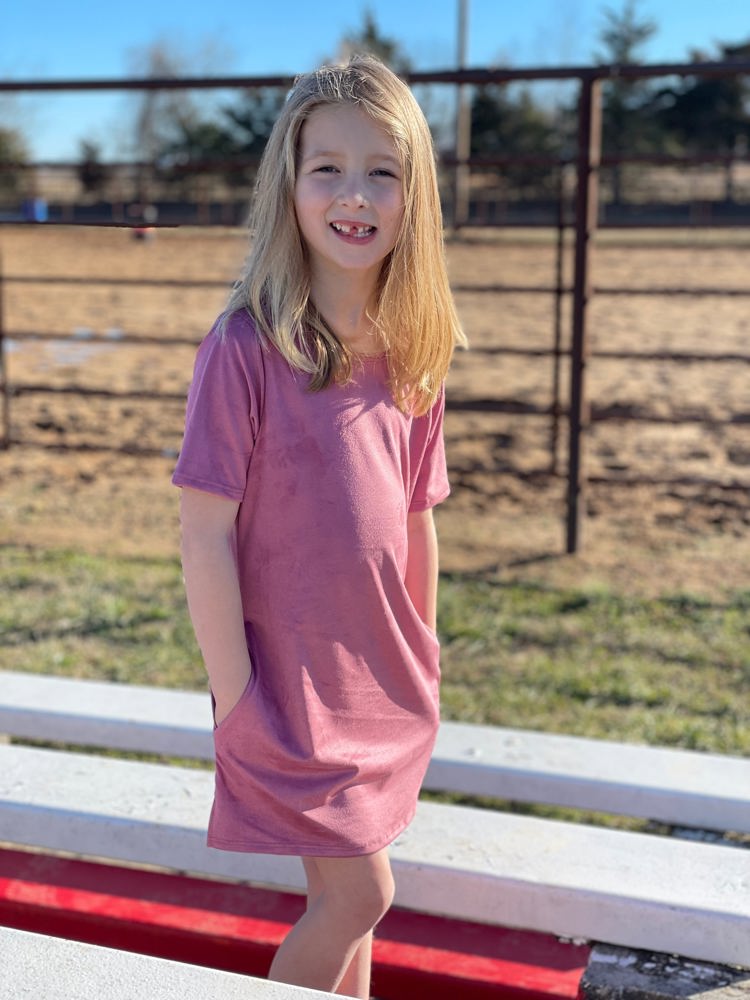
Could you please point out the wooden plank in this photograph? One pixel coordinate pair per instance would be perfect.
(35, 965)
(559, 878)
(672, 786)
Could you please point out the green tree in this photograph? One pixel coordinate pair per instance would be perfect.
(710, 114)
(370, 40)
(185, 141)
(92, 172)
(508, 123)
(14, 159)
(629, 124)
(228, 146)
(200, 149)
(250, 122)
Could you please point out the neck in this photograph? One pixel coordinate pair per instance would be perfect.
(347, 308)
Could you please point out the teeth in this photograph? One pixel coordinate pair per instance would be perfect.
(349, 230)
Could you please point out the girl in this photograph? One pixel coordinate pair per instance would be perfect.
(312, 458)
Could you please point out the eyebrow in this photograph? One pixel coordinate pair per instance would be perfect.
(314, 154)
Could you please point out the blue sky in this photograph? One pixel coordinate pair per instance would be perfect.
(71, 39)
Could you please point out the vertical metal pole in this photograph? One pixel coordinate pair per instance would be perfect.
(589, 154)
(557, 347)
(4, 387)
(463, 127)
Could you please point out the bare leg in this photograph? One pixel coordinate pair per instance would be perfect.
(330, 946)
(356, 980)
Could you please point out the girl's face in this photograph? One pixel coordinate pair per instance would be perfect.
(348, 196)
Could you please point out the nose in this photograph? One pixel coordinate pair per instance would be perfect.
(352, 193)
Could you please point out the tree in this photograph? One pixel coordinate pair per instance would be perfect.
(14, 160)
(251, 121)
(628, 122)
(161, 115)
(92, 173)
(369, 40)
(710, 114)
(163, 118)
(173, 131)
(623, 35)
(506, 125)
(229, 146)
(199, 148)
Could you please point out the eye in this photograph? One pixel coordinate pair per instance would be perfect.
(384, 172)
(326, 168)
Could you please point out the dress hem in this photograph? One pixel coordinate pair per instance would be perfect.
(309, 850)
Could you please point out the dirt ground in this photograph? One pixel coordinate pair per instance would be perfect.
(63, 484)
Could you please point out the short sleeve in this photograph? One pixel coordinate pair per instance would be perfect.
(223, 412)
(428, 471)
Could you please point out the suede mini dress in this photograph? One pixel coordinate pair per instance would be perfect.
(325, 752)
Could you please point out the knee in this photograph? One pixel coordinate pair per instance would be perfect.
(365, 902)
(370, 904)
(377, 897)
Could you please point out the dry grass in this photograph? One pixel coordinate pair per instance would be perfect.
(637, 539)
(641, 636)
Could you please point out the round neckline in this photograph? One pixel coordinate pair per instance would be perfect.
(366, 362)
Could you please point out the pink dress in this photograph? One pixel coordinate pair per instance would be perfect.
(326, 750)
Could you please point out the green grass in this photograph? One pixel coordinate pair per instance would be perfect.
(87, 616)
(674, 670)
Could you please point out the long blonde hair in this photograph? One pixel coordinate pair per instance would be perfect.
(416, 315)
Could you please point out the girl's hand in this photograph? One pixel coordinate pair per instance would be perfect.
(230, 695)
(422, 565)
(213, 593)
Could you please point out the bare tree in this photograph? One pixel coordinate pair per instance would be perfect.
(159, 114)
(163, 116)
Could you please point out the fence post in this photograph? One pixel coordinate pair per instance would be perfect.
(587, 204)
(461, 171)
(4, 387)
(559, 296)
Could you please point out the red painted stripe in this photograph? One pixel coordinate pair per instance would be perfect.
(238, 928)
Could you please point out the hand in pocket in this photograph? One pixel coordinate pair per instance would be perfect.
(227, 696)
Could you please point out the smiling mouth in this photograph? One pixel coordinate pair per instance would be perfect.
(349, 229)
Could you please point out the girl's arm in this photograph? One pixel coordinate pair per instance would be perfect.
(213, 594)
(422, 565)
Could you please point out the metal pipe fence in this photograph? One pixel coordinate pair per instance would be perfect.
(587, 164)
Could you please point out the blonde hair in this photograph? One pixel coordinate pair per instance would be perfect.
(416, 315)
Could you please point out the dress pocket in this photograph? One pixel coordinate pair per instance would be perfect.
(228, 720)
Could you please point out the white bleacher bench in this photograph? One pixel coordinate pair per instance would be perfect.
(48, 968)
(621, 888)
(670, 786)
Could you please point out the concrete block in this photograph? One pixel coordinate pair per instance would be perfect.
(622, 974)
(672, 786)
(47, 968)
(99, 713)
(559, 878)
